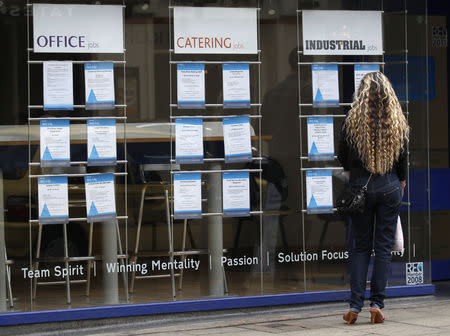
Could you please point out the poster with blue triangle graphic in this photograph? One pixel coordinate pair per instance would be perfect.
(325, 85)
(45, 212)
(100, 197)
(55, 142)
(102, 142)
(53, 199)
(99, 85)
(93, 210)
(320, 138)
(319, 191)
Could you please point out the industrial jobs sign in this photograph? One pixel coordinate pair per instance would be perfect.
(77, 28)
(345, 32)
(202, 30)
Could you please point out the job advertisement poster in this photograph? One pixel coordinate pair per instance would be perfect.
(191, 85)
(58, 85)
(101, 142)
(100, 197)
(187, 195)
(325, 84)
(361, 70)
(99, 85)
(236, 85)
(53, 198)
(55, 142)
(320, 138)
(236, 193)
(237, 141)
(319, 191)
(189, 140)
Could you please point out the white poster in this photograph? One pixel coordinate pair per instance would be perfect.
(99, 85)
(53, 198)
(340, 32)
(189, 140)
(58, 85)
(325, 85)
(100, 197)
(236, 193)
(191, 85)
(77, 28)
(320, 138)
(361, 70)
(236, 85)
(187, 195)
(215, 30)
(236, 138)
(319, 191)
(55, 143)
(101, 142)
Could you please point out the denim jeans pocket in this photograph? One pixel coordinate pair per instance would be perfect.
(393, 196)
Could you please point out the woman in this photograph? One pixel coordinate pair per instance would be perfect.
(372, 150)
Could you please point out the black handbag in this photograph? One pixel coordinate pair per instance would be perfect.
(352, 201)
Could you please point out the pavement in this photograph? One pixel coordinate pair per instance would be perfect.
(423, 315)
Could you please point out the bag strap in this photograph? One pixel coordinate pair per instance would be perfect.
(365, 186)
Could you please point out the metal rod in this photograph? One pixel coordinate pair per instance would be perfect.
(77, 118)
(340, 104)
(209, 214)
(215, 105)
(305, 211)
(322, 115)
(37, 107)
(256, 170)
(79, 219)
(76, 175)
(213, 117)
(221, 159)
(306, 157)
(215, 62)
(322, 168)
(74, 62)
(76, 163)
(339, 63)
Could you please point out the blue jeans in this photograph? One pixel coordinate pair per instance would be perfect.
(374, 229)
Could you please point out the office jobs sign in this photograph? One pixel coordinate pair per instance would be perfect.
(77, 28)
(201, 30)
(342, 32)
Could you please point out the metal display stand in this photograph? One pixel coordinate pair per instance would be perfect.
(111, 233)
(214, 169)
(302, 117)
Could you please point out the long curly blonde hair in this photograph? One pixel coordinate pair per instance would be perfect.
(376, 125)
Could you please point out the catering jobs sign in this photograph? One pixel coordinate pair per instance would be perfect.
(207, 30)
(77, 28)
(342, 32)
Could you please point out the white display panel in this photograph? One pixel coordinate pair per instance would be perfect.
(77, 28)
(189, 140)
(340, 32)
(215, 30)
